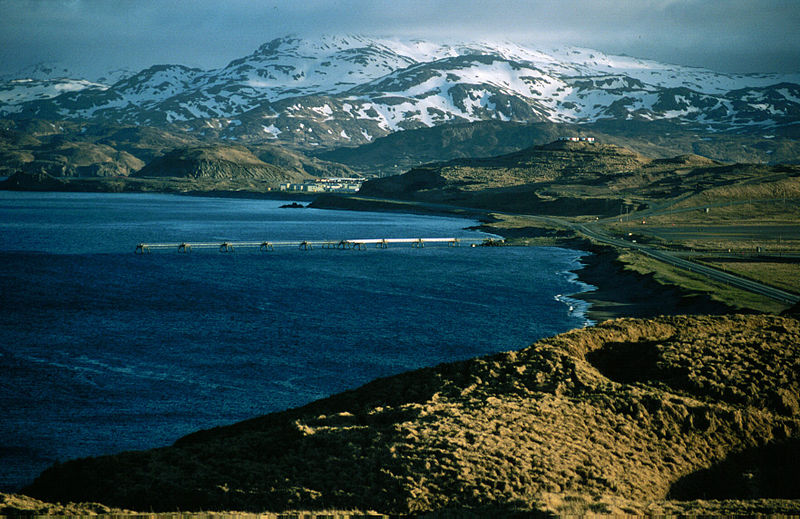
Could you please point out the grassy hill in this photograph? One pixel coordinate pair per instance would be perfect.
(81, 159)
(607, 419)
(572, 179)
(217, 163)
(68, 149)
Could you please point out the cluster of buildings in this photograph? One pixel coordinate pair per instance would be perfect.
(325, 185)
(577, 139)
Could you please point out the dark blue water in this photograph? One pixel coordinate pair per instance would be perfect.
(102, 350)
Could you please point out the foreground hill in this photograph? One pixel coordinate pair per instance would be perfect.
(607, 418)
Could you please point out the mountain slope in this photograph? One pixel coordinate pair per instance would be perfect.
(77, 149)
(216, 163)
(71, 159)
(349, 90)
(400, 151)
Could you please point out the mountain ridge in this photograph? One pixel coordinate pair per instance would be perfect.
(349, 90)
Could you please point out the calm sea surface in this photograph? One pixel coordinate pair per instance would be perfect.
(102, 350)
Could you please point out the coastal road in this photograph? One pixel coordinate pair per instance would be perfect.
(597, 234)
(672, 259)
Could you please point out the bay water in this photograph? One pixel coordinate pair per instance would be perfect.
(103, 350)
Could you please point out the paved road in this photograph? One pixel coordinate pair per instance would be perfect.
(672, 259)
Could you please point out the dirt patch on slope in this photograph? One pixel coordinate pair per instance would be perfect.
(557, 425)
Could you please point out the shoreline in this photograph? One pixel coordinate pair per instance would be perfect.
(623, 293)
(618, 292)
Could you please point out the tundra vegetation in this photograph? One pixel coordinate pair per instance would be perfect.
(630, 416)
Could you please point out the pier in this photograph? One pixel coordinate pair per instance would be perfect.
(356, 244)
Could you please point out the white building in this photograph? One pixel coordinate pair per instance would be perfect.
(577, 139)
(325, 185)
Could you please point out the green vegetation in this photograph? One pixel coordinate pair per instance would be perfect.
(698, 284)
(784, 275)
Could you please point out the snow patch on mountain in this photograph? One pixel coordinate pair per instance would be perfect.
(17, 91)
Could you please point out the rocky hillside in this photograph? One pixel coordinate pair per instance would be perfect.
(349, 90)
(400, 151)
(556, 160)
(80, 159)
(610, 417)
(299, 162)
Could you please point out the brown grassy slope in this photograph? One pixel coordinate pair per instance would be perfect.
(537, 164)
(12, 505)
(402, 151)
(622, 410)
(293, 161)
(87, 149)
(216, 163)
(578, 178)
(557, 178)
(80, 159)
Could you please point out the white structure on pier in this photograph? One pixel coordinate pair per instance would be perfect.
(356, 244)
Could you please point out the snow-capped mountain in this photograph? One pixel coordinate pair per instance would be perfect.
(350, 89)
(15, 92)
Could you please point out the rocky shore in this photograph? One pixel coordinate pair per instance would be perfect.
(622, 293)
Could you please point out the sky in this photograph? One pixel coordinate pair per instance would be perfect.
(93, 37)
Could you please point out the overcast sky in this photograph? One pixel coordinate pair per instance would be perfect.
(94, 36)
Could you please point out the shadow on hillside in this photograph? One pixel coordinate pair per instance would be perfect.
(768, 472)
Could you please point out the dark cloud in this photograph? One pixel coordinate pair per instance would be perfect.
(97, 35)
